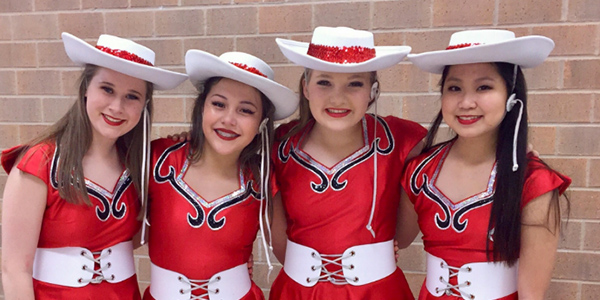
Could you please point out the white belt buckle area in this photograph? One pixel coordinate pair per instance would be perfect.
(481, 280)
(74, 266)
(360, 265)
(231, 284)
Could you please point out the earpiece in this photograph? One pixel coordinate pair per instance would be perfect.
(510, 103)
(375, 91)
(263, 124)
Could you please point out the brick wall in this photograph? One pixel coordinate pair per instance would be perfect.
(37, 80)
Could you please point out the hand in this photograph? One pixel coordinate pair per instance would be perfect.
(396, 249)
(180, 137)
(250, 265)
(532, 151)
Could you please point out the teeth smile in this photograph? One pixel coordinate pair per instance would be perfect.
(226, 134)
(337, 111)
(468, 118)
(112, 119)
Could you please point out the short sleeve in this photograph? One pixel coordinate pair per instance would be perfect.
(36, 161)
(540, 179)
(407, 134)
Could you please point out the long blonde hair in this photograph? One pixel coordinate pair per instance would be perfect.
(73, 137)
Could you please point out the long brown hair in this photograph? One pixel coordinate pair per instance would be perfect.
(73, 137)
(249, 158)
(305, 115)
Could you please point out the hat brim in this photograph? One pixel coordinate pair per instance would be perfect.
(527, 52)
(200, 66)
(385, 57)
(83, 53)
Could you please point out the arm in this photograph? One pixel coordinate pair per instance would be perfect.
(278, 229)
(539, 240)
(23, 208)
(407, 227)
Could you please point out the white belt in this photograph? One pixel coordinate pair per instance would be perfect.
(230, 284)
(360, 265)
(481, 280)
(74, 266)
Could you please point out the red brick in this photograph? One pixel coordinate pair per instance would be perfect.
(154, 4)
(578, 140)
(87, 4)
(38, 82)
(590, 291)
(83, 25)
(591, 240)
(577, 266)
(570, 235)
(38, 26)
(572, 167)
(5, 22)
(168, 110)
(7, 82)
(545, 76)
(289, 76)
(188, 107)
(585, 204)
(186, 88)
(560, 290)
(20, 110)
(463, 12)
(289, 18)
(529, 11)
(18, 55)
(180, 22)
(582, 74)
(397, 14)
(159, 131)
(16, 5)
(596, 117)
(423, 41)
(168, 51)
(263, 47)
(55, 108)
(42, 5)
(387, 105)
(395, 38)
(29, 132)
(421, 109)
(204, 2)
(129, 24)
(234, 21)
(9, 135)
(70, 86)
(561, 108)
(52, 54)
(583, 10)
(214, 45)
(543, 138)
(350, 14)
(571, 39)
(404, 78)
(594, 174)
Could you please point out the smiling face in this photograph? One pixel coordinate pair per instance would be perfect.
(474, 100)
(114, 103)
(231, 116)
(338, 101)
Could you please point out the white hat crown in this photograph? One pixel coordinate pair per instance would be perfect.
(342, 37)
(479, 37)
(249, 63)
(116, 43)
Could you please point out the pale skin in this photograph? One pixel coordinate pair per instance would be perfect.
(119, 96)
(477, 91)
(338, 102)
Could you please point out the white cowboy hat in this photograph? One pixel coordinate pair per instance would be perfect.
(342, 50)
(123, 56)
(486, 45)
(245, 68)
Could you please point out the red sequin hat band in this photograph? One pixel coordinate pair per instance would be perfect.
(341, 55)
(125, 55)
(464, 45)
(249, 69)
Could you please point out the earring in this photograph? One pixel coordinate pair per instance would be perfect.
(375, 90)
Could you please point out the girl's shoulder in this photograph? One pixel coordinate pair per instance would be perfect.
(37, 154)
(408, 129)
(160, 145)
(285, 128)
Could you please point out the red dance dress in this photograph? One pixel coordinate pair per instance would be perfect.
(191, 236)
(328, 208)
(110, 220)
(457, 232)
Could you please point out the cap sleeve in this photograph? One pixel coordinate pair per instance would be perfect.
(540, 179)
